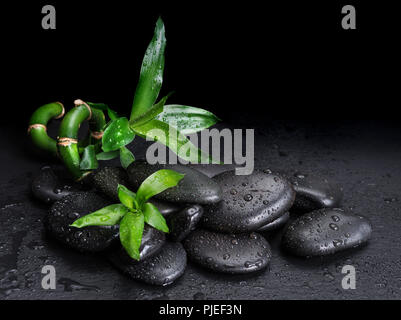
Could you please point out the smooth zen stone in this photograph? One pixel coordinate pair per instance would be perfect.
(107, 179)
(152, 241)
(165, 208)
(195, 187)
(88, 239)
(212, 170)
(183, 222)
(325, 231)
(47, 187)
(249, 202)
(228, 253)
(162, 268)
(314, 192)
(275, 224)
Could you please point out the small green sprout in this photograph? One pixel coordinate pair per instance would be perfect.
(134, 210)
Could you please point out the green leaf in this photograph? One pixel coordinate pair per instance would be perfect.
(89, 161)
(117, 135)
(108, 216)
(104, 107)
(112, 114)
(154, 218)
(157, 182)
(187, 119)
(151, 75)
(150, 114)
(126, 157)
(108, 155)
(126, 196)
(131, 230)
(173, 139)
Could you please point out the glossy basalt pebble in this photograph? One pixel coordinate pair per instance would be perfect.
(212, 170)
(183, 222)
(228, 253)
(275, 224)
(88, 239)
(162, 268)
(325, 231)
(195, 187)
(48, 187)
(314, 192)
(107, 179)
(249, 202)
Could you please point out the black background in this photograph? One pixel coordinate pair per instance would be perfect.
(327, 97)
(275, 60)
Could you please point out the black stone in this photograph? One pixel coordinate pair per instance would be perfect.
(166, 208)
(152, 241)
(314, 192)
(212, 170)
(228, 253)
(48, 187)
(183, 222)
(249, 202)
(275, 224)
(107, 179)
(70, 208)
(195, 187)
(325, 231)
(162, 268)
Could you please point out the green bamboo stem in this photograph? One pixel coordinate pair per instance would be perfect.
(68, 135)
(38, 126)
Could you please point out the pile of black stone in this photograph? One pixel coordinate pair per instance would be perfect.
(216, 218)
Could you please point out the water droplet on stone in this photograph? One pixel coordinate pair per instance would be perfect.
(248, 197)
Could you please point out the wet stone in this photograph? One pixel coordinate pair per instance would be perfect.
(162, 268)
(48, 187)
(87, 239)
(314, 192)
(275, 224)
(325, 231)
(152, 241)
(165, 208)
(228, 253)
(183, 222)
(249, 202)
(212, 170)
(107, 179)
(195, 187)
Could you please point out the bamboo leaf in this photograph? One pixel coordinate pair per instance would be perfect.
(156, 183)
(151, 75)
(159, 131)
(108, 155)
(126, 196)
(89, 161)
(187, 119)
(126, 157)
(107, 216)
(150, 114)
(154, 218)
(117, 135)
(131, 230)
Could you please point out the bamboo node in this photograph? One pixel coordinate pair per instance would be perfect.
(62, 111)
(65, 142)
(79, 102)
(97, 134)
(36, 126)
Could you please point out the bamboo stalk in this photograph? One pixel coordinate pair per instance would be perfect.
(38, 126)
